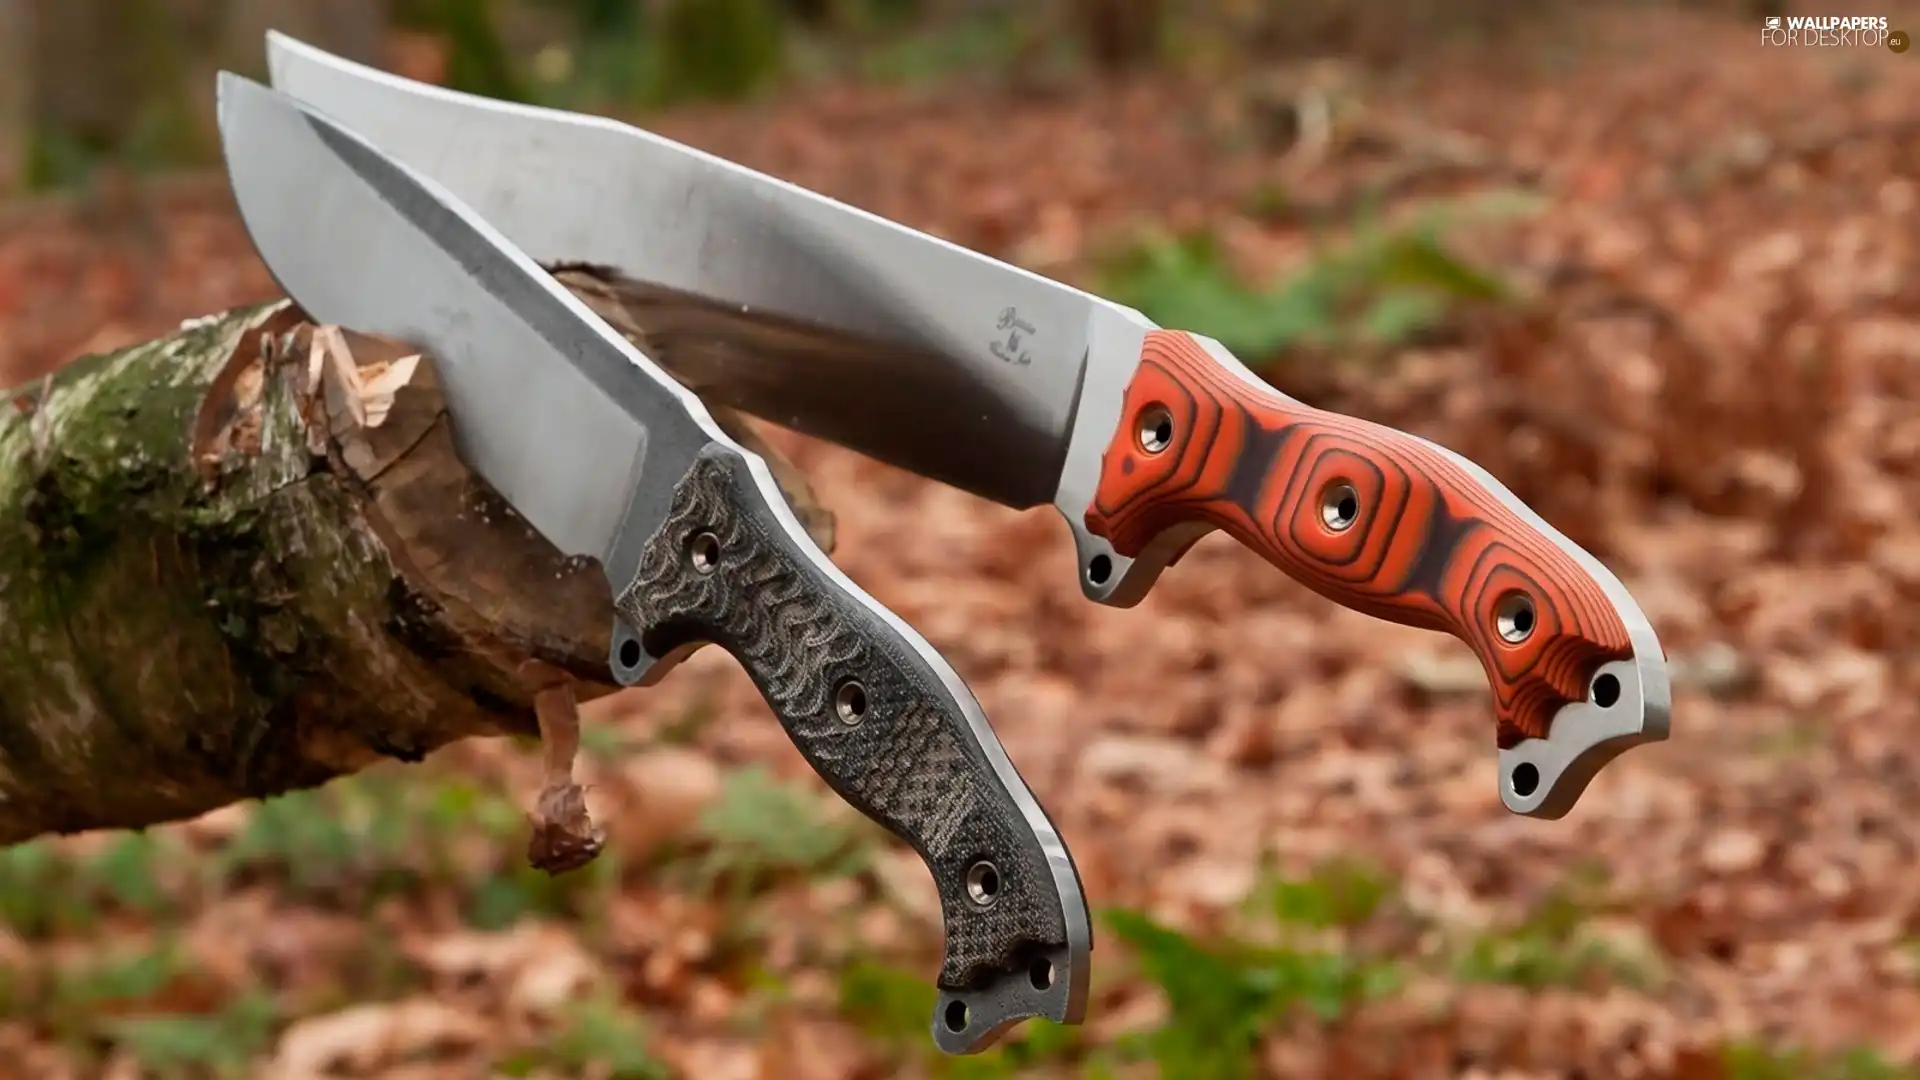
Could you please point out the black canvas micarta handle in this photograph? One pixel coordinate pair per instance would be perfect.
(879, 725)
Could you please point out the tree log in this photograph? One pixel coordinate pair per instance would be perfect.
(246, 559)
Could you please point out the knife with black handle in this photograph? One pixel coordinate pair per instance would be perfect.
(610, 458)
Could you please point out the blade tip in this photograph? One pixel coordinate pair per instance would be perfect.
(282, 49)
(278, 46)
(234, 93)
(228, 88)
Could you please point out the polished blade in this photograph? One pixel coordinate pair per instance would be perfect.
(771, 298)
(555, 411)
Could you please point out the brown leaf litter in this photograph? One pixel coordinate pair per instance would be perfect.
(1717, 387)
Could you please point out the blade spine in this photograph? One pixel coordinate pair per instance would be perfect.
(403, 85)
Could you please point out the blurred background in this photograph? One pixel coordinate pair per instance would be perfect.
(1659, 279)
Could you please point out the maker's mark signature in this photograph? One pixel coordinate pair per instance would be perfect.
(1017, 330)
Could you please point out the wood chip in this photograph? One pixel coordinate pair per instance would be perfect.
(564, 837)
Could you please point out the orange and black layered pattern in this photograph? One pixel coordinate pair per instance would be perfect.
(1369, 517)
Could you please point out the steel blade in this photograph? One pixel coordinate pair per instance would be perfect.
(556, 411)
(771, 298)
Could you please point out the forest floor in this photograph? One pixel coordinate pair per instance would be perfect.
(1712, 379)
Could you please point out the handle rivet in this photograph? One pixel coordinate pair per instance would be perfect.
(1339, 506)
(1514, 618)
(1156, 429)
(850, 702)
(983, 883)
(704, 552)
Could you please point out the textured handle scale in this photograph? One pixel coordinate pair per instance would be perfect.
(1369, 517)
(723, 570)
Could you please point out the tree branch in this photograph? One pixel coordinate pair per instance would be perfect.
(246, 559)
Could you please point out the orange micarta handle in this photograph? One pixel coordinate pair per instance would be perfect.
(1368, 517)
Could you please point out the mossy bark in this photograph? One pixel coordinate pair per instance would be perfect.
(218, 582)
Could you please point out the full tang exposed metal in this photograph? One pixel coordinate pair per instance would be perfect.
(610, 458)
(844, 325)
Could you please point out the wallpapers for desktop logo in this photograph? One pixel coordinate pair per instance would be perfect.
(1832, 31)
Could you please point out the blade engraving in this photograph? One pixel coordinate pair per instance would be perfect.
(822, 381)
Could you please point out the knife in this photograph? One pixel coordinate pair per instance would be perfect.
(607, 456)
(843, 325)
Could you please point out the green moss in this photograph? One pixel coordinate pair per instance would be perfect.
(87, 484)
(121, 567)
(117, 519)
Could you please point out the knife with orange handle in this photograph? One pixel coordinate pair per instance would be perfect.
(841, 324)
